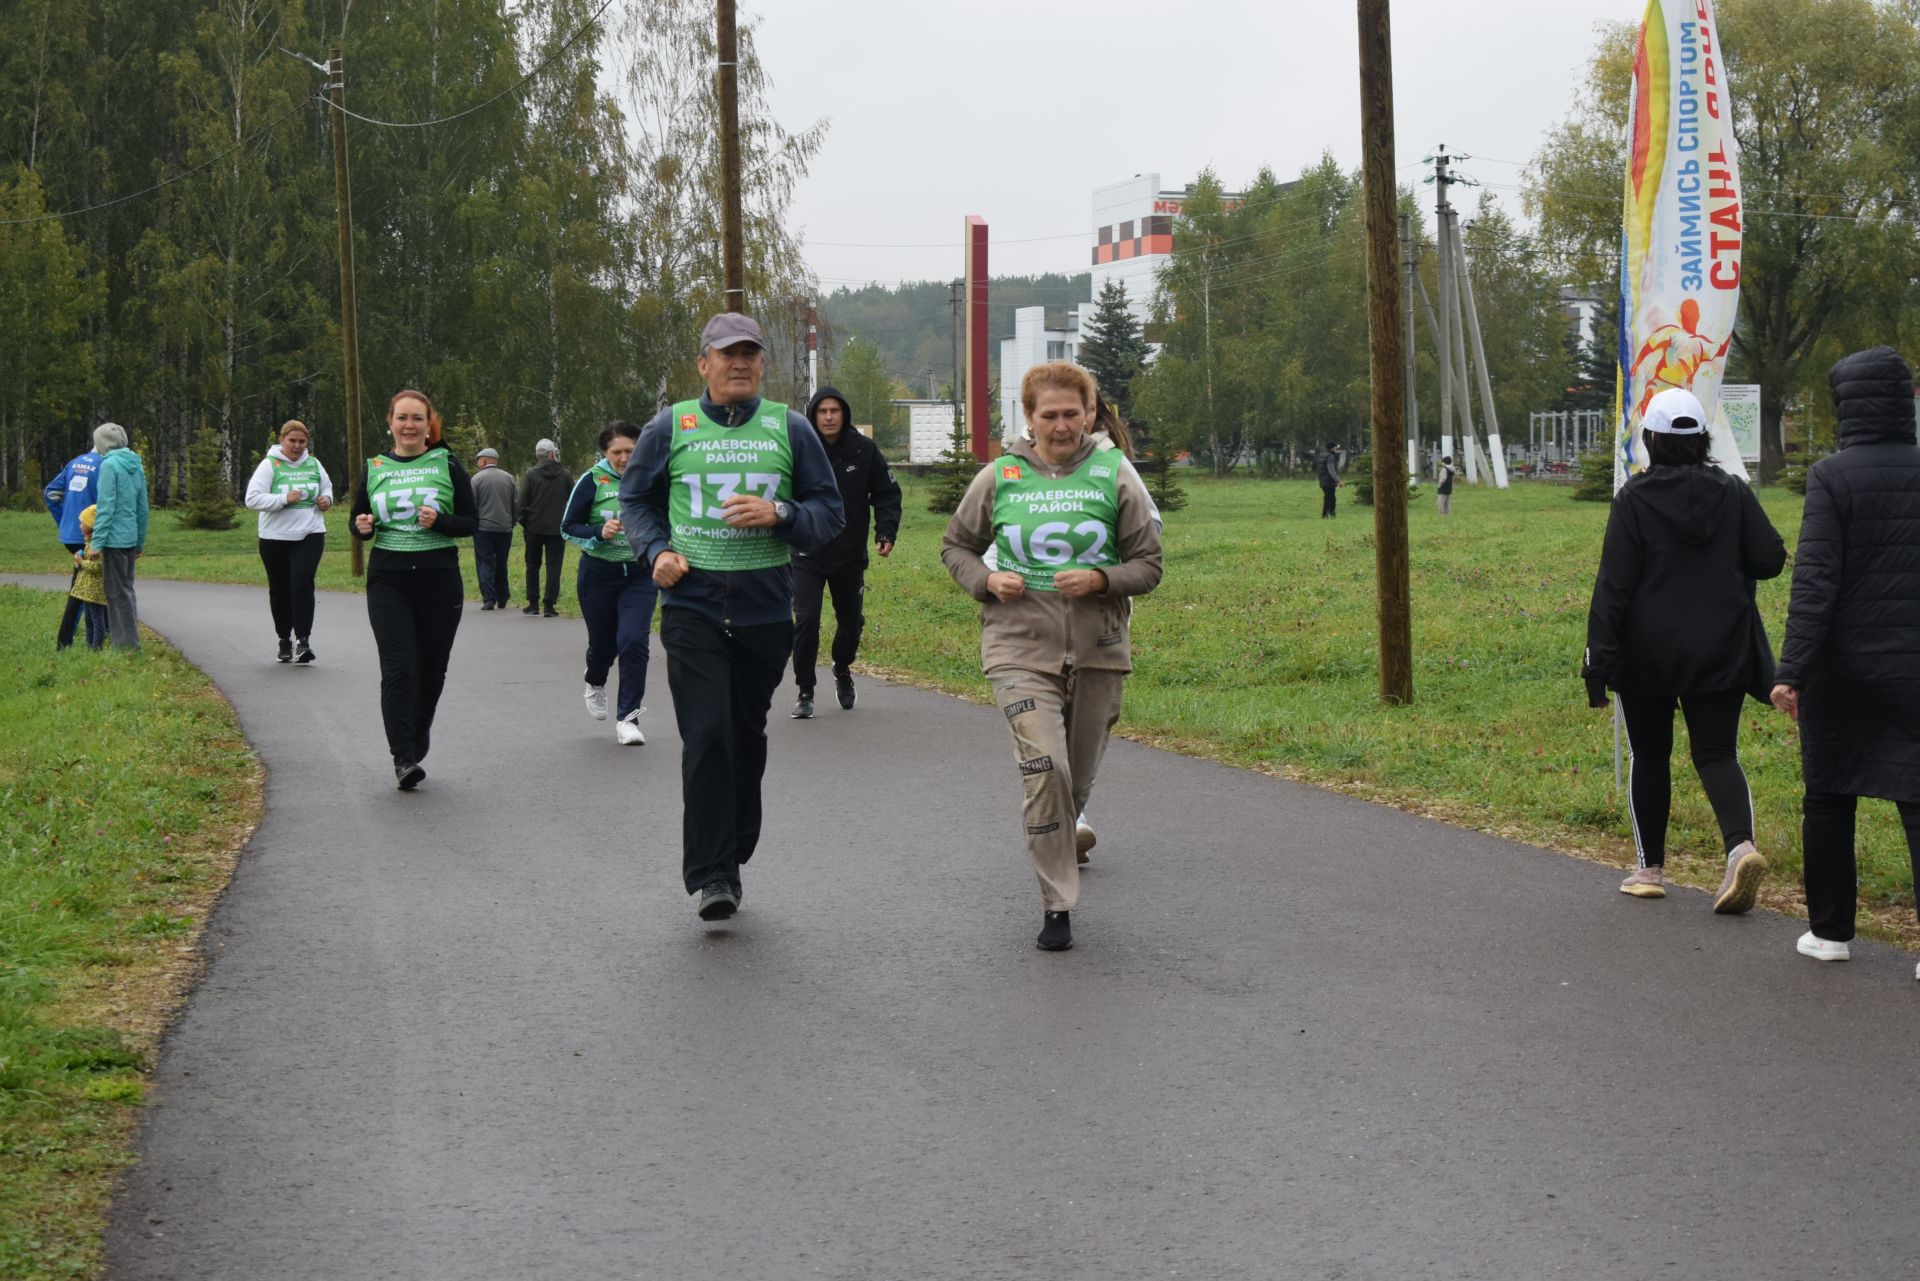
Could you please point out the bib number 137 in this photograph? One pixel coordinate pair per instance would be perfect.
(1047, 544)
(724, 485)
(404, 509)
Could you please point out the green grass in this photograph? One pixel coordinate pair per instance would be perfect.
(125, 788)
(1260, 650)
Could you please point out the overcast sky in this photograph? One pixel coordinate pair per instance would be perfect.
(1016, 111)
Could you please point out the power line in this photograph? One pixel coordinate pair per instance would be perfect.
(255, 136)
(480, 106)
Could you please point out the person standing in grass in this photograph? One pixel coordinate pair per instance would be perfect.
(413, 500)
(615, 591)
(292, 492)
(1326, 466)
(67, 495)
(119, 529)
(1673, 623)
(1074, 542)
(1850, 664)
(1443, 495)
(88, 590)
(493, 500)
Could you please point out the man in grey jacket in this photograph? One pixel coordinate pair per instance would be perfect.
(493, 500)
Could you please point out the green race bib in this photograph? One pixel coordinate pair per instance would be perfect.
(397, 488)
(303, 476)
(1042, 525)
(606, 505)
(708, 464)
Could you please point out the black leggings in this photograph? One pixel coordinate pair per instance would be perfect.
(1326, 500)
(415, 613)
(291, 564)
(1832, 875)
(1713, 725)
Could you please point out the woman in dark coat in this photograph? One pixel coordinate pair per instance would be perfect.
(1850, 667)
(1673, 623)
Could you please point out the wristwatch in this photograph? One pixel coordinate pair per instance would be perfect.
(782, 513)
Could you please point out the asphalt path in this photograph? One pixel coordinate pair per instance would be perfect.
(477, 1031)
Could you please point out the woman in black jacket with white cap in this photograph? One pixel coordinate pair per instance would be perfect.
(1850, 667)
(1673, 623)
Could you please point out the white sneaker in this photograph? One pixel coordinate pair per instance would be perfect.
(626, 731)
(1821, 949)
(596, 697)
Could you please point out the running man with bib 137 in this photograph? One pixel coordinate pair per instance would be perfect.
(717, 491)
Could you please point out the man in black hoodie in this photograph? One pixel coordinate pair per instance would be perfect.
(840, 566)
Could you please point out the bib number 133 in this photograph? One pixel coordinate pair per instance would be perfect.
(724, 485)
(1047, 544)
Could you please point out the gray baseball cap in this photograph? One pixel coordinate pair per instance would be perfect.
(728, 328)
(489, 453)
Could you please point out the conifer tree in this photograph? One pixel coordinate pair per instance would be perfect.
(1112, 347)
(209, 502)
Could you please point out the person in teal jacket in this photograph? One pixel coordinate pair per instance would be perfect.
(119, 528)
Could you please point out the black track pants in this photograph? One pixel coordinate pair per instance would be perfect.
(616, 599)
(415, 614)
(1832, 875)
(1713, 726)
(849, 619)
(554, 548)
(722, 681)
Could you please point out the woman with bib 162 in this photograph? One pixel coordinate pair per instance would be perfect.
(1074, 540)
(413, 500)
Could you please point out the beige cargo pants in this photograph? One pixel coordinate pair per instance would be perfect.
(1060, 724)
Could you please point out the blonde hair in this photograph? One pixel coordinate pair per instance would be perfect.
(293, 424)
(1058, 375)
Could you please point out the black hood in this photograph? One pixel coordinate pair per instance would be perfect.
(1873, 397)
(1691, 500)
(825, 394)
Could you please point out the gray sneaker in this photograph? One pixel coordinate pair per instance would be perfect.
(1745, 868)
(1644, 883)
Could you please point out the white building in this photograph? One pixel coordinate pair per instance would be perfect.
(1132, 241)
(929, 429)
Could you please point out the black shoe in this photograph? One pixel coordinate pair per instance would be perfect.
(303, 652)
(408, 775)
(486, 606)
(1056, 933)
(718, 901)
(803, 706)
(552, 612)
(843, 685)
(531, 611)
(286, 651)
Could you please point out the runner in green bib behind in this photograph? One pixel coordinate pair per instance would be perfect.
(717, 491)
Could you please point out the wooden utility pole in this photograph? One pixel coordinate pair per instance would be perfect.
(1381, 193)
(731, 250)
(349, 307)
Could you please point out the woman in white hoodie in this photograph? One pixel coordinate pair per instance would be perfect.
(291, 490)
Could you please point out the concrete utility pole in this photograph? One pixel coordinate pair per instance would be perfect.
(957, 298)
(1443, 337)
(1496, 456)
(1381, 193)
(1469, 442)
(732, 251)
(349, 306)
(1411, 388)
(813, 351)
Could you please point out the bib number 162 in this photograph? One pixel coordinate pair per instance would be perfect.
(1048, 545)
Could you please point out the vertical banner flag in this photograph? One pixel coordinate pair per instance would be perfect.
(1681, 234)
